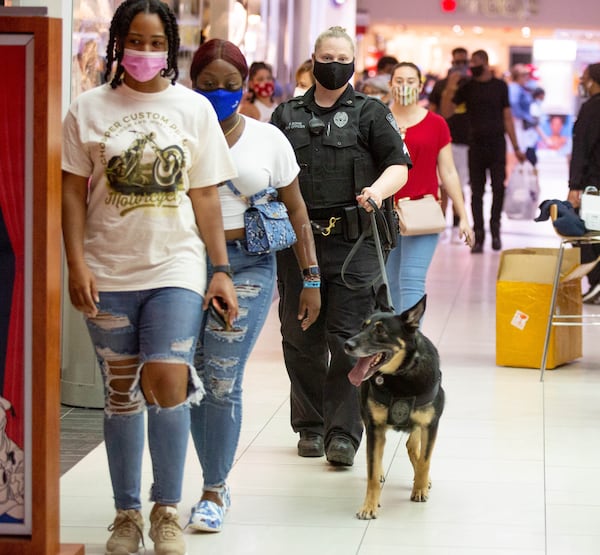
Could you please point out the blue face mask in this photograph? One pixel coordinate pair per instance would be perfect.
(223, 101)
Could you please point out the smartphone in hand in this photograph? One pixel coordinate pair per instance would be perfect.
(219, 311)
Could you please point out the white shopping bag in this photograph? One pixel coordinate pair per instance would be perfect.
(589, 211)
(522, 193)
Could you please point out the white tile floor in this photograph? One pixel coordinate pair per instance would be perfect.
(515, 469)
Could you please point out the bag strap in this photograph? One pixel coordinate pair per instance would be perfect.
(251, 201)
(376, 215)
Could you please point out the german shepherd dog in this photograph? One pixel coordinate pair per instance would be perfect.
(400, 387)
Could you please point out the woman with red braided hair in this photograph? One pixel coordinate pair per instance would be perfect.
(218, 72)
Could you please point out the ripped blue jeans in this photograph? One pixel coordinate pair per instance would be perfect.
(132, 328)
(220, 362)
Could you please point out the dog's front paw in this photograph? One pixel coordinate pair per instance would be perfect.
(419, 495)
(367, 512)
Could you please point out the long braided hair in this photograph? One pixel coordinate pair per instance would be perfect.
(119, 27)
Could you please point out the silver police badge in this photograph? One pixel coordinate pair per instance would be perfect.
(399, 411)
(340, 119)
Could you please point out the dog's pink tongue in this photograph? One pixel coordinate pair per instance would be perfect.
(359, 373)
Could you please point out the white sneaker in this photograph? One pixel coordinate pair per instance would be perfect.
(208, 516)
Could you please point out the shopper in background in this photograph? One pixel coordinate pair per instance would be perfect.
(142, 156)
(533, 130)
(386, 64)
(490, 117)
(520, 99)
(349, 151)
(384, 67)
(304, 78)
(584, 168)
(258, 103)
(218, 72)
(428, 139)
(458, 123)
(378, 87)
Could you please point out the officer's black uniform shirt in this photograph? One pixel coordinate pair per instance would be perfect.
(358, 140)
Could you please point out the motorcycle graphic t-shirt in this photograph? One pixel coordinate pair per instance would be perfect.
(142, 153)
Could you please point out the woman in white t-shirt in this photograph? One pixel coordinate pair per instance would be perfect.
(263, 157)
(142, 156)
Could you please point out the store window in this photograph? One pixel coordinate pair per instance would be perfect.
(240, 21)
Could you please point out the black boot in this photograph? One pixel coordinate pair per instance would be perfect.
(477, 247)
(496, 241)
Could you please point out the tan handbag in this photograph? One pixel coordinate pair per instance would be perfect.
(420, 216)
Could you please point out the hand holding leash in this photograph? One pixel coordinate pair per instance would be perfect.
(369, 199)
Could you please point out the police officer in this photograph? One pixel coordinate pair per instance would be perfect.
(349, 150)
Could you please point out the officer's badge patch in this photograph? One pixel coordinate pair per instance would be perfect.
(392, 121)
(340, 119)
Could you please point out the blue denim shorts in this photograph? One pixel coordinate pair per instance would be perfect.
(154, 324)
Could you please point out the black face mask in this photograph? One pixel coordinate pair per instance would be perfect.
(476, 71)
(333, 75)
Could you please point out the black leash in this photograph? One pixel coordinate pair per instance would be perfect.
(375, 214)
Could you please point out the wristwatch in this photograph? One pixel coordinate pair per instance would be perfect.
(225, 268)
(311, 271)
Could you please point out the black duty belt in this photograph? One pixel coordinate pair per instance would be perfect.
(327, 221)
(332, 226)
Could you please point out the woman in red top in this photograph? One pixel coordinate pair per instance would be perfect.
(428, 139)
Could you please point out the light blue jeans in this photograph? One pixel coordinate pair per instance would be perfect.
(221, 360)
(143, 326)
(406, 268)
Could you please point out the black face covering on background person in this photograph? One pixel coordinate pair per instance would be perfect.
(333, 75)
(476, 71)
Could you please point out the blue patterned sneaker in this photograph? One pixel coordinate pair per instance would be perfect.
(207, 516)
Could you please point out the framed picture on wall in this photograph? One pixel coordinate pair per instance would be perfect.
(16, 170)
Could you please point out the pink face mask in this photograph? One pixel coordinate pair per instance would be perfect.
(264, 89)
(143, 66)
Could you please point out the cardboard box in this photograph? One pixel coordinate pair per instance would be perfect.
(523, 292)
